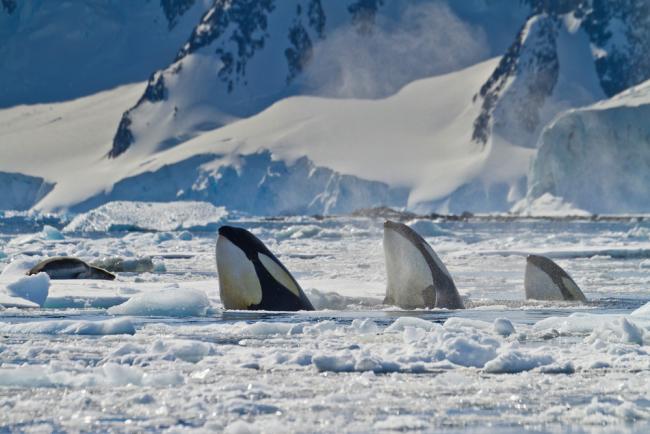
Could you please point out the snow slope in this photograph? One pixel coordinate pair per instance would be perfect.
(598, 157)
(62, 142)
(244, 56)
(431, 119)
(419, 138)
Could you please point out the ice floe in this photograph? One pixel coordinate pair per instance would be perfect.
(117, 326)
(169, 302)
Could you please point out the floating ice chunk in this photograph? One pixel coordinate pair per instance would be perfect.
(128, 216)
(343, 362)
(513, 361)
(241, 427)
(364, 326)
(558, 368)
(51, 233)
(503, 327)
(576, 323)
(186, 350)
(33, 288)
(630, 332)
(162, 379)
(18, 268)
(599, 364)
(458, 323)
(120, 265)
(170, 302)
(159, 267)
(332, 300)
(298, 231)
(161, 237)
(185, 236)
(119, 326)
(109, 374)
(638, 232)
(25, 376)
(267, 329)
(119, 375)
(403, 423)
(468, 352)
(403, 322)
(259, 427)
(8, 301)
(642, 311)
(427, 228)
(620, 330)
(321, 327)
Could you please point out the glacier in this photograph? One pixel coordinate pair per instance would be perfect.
(598, 158)
(253, 183)
(21, 192)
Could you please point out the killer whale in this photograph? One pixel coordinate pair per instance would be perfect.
(416, 277)
(545, 280)
(252, 278)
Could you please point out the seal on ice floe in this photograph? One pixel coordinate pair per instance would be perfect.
(417, 278)
(65, 267)
(252, 278)
(545, 280)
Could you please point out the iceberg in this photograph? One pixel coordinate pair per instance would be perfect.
(148, 216)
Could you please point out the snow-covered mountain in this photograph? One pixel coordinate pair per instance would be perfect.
(245, 55)
(344, 104)
(568, 54)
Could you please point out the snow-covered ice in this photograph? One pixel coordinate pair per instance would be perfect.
(155, 350)
(172, 302)
(144, 216)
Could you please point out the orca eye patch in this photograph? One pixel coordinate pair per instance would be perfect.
(279, 274)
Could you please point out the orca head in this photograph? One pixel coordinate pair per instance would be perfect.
(251, 277)
(245, 241)
(545, 280)
(416, 276)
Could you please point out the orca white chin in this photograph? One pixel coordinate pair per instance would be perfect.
(416, 277)
(545, 280)
(239, 286)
